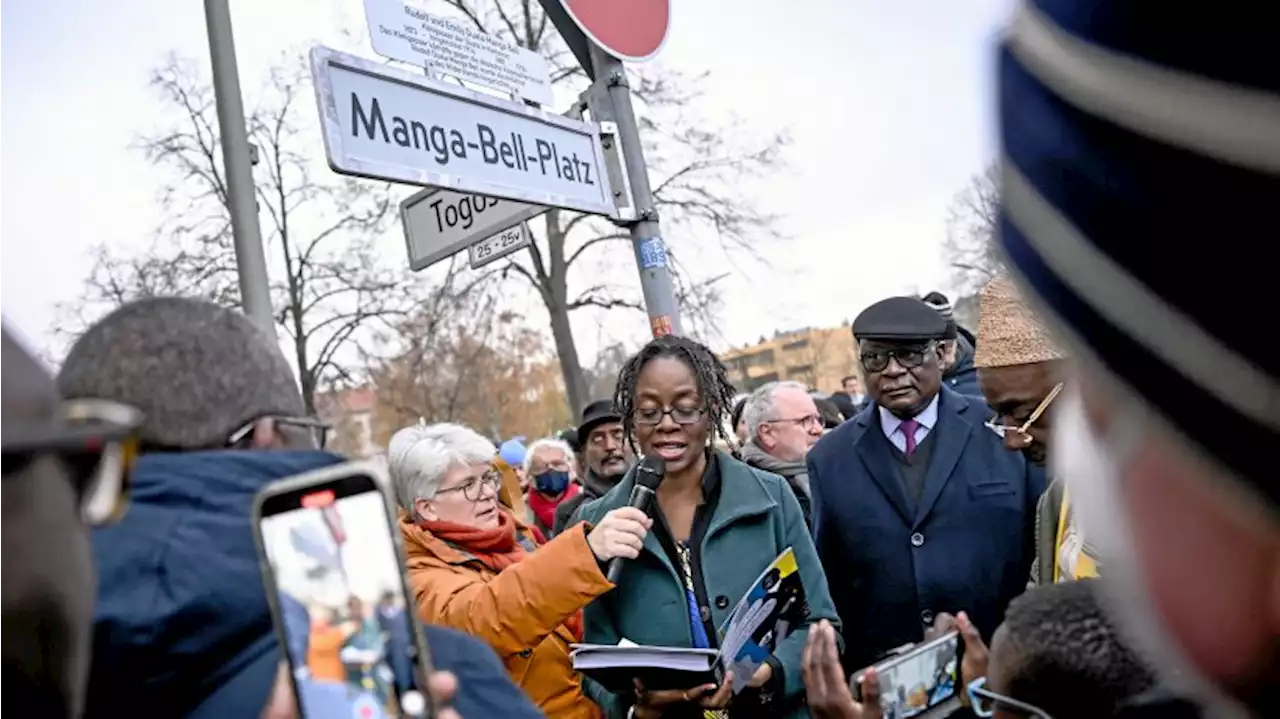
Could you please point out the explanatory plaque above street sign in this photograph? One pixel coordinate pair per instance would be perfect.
(384, 123)
(445, 45)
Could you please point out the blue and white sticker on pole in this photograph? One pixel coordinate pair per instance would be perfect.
(653, 253)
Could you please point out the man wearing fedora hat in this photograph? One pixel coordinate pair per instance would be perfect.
(1021, 370)
(606, 455)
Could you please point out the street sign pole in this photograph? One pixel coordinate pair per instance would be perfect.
(646, 236)
(601, 34)
(251, 261)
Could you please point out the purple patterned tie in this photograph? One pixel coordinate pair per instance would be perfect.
(908, 428)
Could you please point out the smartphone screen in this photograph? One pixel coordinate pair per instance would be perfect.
(333, 564)
(919, 678)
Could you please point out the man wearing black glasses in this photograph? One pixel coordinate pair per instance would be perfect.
(917, 507)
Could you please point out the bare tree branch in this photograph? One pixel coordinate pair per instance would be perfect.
(970, 247)
(699, 170)
(328, 288)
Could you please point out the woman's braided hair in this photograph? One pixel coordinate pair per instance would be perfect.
(714, 388)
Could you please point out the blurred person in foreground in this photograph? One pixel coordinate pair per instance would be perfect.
(917, 507)
(606, 454)
(222, 417)
(718, 523)
(958, 346)
(60, 464)
(473, 566)
(782, 423)
(65, 468)
(1165, 438)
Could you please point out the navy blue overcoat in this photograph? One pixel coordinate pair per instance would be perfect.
(966, 545)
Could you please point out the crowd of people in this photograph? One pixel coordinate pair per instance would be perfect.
(1077, 489)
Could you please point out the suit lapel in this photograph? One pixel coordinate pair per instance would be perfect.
(873, 450)
(952, 432)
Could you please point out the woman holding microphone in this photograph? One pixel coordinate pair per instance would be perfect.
(473, 566)
(718, 524)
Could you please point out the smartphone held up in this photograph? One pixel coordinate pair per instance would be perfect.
(333, 566)
(916, 679)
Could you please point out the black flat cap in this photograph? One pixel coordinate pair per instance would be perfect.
(899, 319)
(598, 412)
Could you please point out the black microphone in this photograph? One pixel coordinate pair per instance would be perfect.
(649, 473)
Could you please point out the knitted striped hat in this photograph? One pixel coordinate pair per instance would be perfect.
(1009, 333)
(1139, 181)
(942, 306)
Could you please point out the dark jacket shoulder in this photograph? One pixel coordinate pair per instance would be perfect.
(484, 687)
(565, 511)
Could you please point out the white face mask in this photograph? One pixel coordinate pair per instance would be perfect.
(1092, 466)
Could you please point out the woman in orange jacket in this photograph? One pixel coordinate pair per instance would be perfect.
(472, 564)
(325, 645)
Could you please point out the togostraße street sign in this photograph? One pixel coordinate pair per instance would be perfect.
(444, 45)
(439, 223)
(387, 124)
(632, 30)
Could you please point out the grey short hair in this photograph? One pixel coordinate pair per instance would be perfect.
(419, 457)
(545, 442)
(197, 371)
(762, 405)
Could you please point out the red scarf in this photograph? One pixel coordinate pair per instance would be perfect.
(497, 548)
(545, 509)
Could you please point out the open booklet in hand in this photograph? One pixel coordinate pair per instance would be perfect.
(771, 609)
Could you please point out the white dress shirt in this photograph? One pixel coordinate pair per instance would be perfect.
(892, 426)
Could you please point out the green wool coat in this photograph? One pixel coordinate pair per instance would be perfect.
(756, 519)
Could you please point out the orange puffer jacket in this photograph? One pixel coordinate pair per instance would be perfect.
(521, 611)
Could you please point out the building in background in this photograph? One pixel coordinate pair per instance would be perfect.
(819, 358)
(350, 412)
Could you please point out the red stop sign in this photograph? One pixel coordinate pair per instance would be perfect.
(627, 29)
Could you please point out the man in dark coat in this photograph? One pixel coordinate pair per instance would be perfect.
(607, 458)
(223, 418)
(917, 507)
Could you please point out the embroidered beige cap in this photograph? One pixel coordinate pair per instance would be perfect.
(1009, 332)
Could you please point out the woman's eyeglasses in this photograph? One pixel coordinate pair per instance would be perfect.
(680, 415)
(984, 702)
(96, 441)
(995, 424)
(473, 489)
(908, 357)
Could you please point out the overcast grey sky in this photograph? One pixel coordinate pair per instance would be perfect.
(890, 106)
